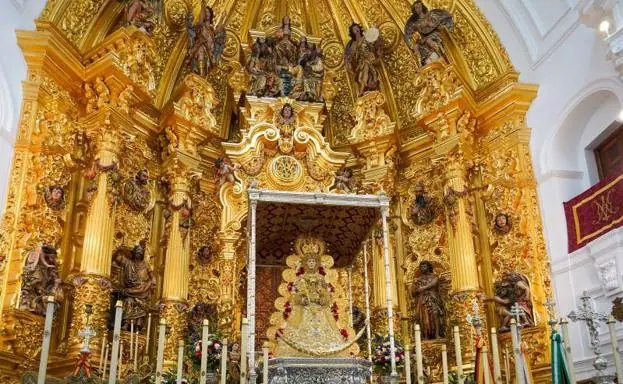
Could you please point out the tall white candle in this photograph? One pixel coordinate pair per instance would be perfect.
(388, 289)
(418, 355)
(180, 361)
(459, 357)
(114, 353)
(204, 351)
(120, 360)
(135, 352)
(497, 372)
(485, 368)
(265, 362)
(615, 349)
(367, 295)
(507, 365)
(102, 353)
(444, 363)
(244, 334)
(162, 329)
(408, 363)
(132, 339)
(564, 325)
(350, 295)
(148, 334)
(224, 362)
(516, 352)
(105, 361)
(47, 333)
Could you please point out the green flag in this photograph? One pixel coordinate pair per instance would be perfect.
(560, 369)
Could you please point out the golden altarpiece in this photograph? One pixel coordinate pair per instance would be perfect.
(134, 144)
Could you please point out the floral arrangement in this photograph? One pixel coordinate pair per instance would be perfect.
(215, 346)
(381, 358)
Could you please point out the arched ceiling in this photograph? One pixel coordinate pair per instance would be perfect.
(474, 48)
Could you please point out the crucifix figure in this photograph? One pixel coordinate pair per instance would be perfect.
(586, 312)
(87, 332)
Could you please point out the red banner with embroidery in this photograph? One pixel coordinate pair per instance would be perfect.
(595, 212)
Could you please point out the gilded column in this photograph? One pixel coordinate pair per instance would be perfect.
(177, 260)
(92, 285)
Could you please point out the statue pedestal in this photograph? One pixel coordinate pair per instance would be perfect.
(312, 370)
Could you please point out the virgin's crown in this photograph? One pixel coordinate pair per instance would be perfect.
(306, 245)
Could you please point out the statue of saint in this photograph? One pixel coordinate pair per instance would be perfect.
(362, 55)
(513, 289)
(208, 41)
(40, 278)
(136, 284)
(309, 75)
(429, 307)
(314, 324)
(424, 208)
(423, 32)
(136, 193)
(233, 364)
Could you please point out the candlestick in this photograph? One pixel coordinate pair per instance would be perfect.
(180, 361)
(418, 355)
(224, 362)
(497, 372)
(160, 354)
(407, 363)
(615, 349)
(516, 351)
(485, 368)
(115, 342)
(204, 351)
(459, 357)
(131, 339)
(148, 334)
(444, 363)
(105, 361)
(244, 334)
(99, 368)
(265, 362)
(47, 333)
(120, 360)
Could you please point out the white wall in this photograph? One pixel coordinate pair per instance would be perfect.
(579, 98)
(14, 14)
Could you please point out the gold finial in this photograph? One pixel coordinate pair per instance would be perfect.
(119, 304)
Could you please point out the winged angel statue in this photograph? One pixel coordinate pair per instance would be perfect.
(363, 55)
(423, 32)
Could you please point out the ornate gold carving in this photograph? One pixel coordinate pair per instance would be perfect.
(176, 315)
(372, 121)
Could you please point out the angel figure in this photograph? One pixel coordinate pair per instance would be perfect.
(423, 31)
(171, 139)
(344, 181)
(136, 192)
(54, 197)
(91, 97)
(362, 55)
(224, 172)
(40, 278)
(208, 41)
(139, 13)
(103, 93)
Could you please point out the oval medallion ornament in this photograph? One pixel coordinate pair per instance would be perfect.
(286, 170)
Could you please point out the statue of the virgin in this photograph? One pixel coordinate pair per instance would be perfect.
(312, 312)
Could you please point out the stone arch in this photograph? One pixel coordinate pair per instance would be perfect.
(589, 113)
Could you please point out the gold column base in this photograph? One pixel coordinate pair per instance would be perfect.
(21, 336)
(95, 291)
(175, 312)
